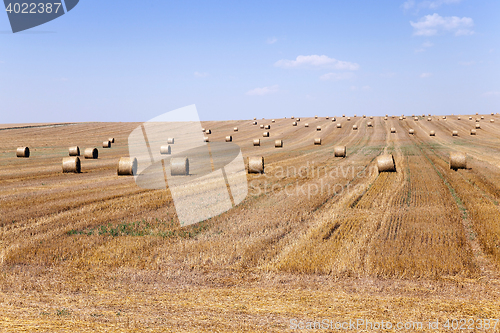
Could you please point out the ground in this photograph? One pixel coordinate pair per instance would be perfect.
(317, 237)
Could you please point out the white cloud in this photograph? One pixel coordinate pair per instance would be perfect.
(437, 3)
(316, 61)
(431, 25)
(424, 46)
(491, 93)
(263, 91)
(271, 40)
(409, 4)
(388, 75)
(365, 88)
(466, 63)
(337, 76)
(198, 74)
(424, 75)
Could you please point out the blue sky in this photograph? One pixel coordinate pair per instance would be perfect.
(131, 61)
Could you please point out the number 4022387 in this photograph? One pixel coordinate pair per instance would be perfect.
(33, 8)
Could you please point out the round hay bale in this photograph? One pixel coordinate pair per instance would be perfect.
(229, 138)
(432, 133)
(327, 118)
(492, 120)
(354, 127)
(106, 144)
(343, 116)
(339, 125)
(318, 128)
(473, 132)
(235, 129)
(112, 140)
(203, 130)
(348, 118)
(454, 133)
(171, 141)
(294, 123)
(127, 166)
(298, 119)
(385, 163)
(267, 127)
(478, 126)
(339, 151)
(261, 126)
(470, 118)
(254, 123)
(364, 116)
(371, 117)
(458, 160)
(254, 118)
(400, 118)
(413, 115)
(255, 164)
(265, 134)
(369, 124)
(23, 152)
(444, 117)
(387, 115)
(334, 119)
(206, 139)
(492, 114)
(273, 121)
(278, 144)
(91, 153)
(315, 117)
(482, 117)
(415, 119)
(477, 113)
(411, 131)
(179, 166)
(74, 151)
(306, 125)
(292, 117)
(317, 141)
(256, 142)
(71, 165)
(354, 116)
(429, 119)
(477, 120)
(385, 118)
(393, 130)
(459, 118)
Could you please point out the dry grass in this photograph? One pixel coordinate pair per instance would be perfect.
(93, 252)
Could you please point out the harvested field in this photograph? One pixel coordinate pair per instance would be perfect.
(317, 237)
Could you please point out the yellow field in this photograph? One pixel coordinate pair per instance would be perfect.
(316, 238)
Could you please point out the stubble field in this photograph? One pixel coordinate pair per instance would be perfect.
(317, 237)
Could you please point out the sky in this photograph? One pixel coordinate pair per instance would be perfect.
(134, 60)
